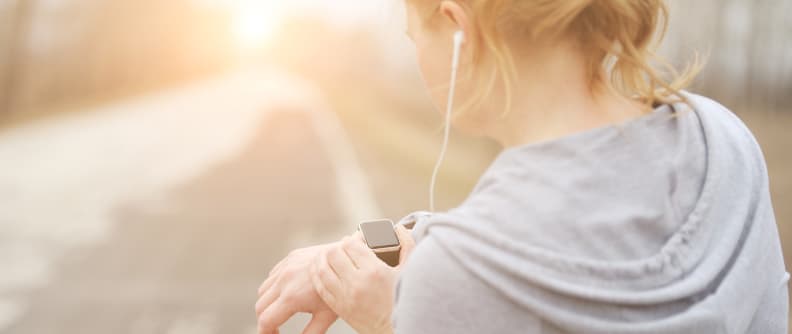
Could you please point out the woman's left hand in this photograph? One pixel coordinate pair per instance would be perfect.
(357, 285)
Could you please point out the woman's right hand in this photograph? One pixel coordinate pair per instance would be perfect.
(357, 285)
(289, 290)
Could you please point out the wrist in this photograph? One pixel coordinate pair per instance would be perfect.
(377, 325)
(385, 329)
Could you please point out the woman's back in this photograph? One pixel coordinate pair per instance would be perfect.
(663, 224)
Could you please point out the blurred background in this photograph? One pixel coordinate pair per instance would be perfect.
(157, 158)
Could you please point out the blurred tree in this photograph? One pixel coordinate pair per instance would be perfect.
(75, 50)
(749, 54)
(19, 19)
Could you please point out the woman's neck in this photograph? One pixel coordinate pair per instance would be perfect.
(553, 99)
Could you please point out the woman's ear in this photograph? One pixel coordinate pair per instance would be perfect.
(456, 17)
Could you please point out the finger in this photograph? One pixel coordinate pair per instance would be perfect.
(407, 243)
(320, 322)
(362, 256)
(266, 300)
(325, 282)
(272, 276)
(275, 316)
(340, 262)
(278, 265)
(267, 283)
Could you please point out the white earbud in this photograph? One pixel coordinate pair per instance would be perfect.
(459, 39)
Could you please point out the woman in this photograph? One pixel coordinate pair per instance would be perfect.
(620, 203)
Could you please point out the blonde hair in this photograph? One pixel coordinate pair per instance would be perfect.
(618, 38)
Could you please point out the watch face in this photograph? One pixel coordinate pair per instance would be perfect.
(379, 234)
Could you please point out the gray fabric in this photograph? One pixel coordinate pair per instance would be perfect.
(663, 224)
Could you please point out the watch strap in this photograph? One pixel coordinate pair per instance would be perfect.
(390, 257)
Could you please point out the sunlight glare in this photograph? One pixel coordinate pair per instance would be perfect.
(255, 22)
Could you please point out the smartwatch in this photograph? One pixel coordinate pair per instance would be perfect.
(381, 238)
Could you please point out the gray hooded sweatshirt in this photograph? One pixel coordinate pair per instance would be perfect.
(663, 224)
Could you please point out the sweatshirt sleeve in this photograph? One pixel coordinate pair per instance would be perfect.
(434, 294)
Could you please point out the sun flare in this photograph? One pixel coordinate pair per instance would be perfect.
(255, 22)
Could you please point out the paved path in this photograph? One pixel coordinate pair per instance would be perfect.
(164, 213)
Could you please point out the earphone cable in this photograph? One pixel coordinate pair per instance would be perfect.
(447, 129)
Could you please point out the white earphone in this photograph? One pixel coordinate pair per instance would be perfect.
(459, 39)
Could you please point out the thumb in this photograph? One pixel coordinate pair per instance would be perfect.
(320, 322)
(407, 243)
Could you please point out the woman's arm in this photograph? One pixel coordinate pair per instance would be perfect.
(357, 285)
(437, 294)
